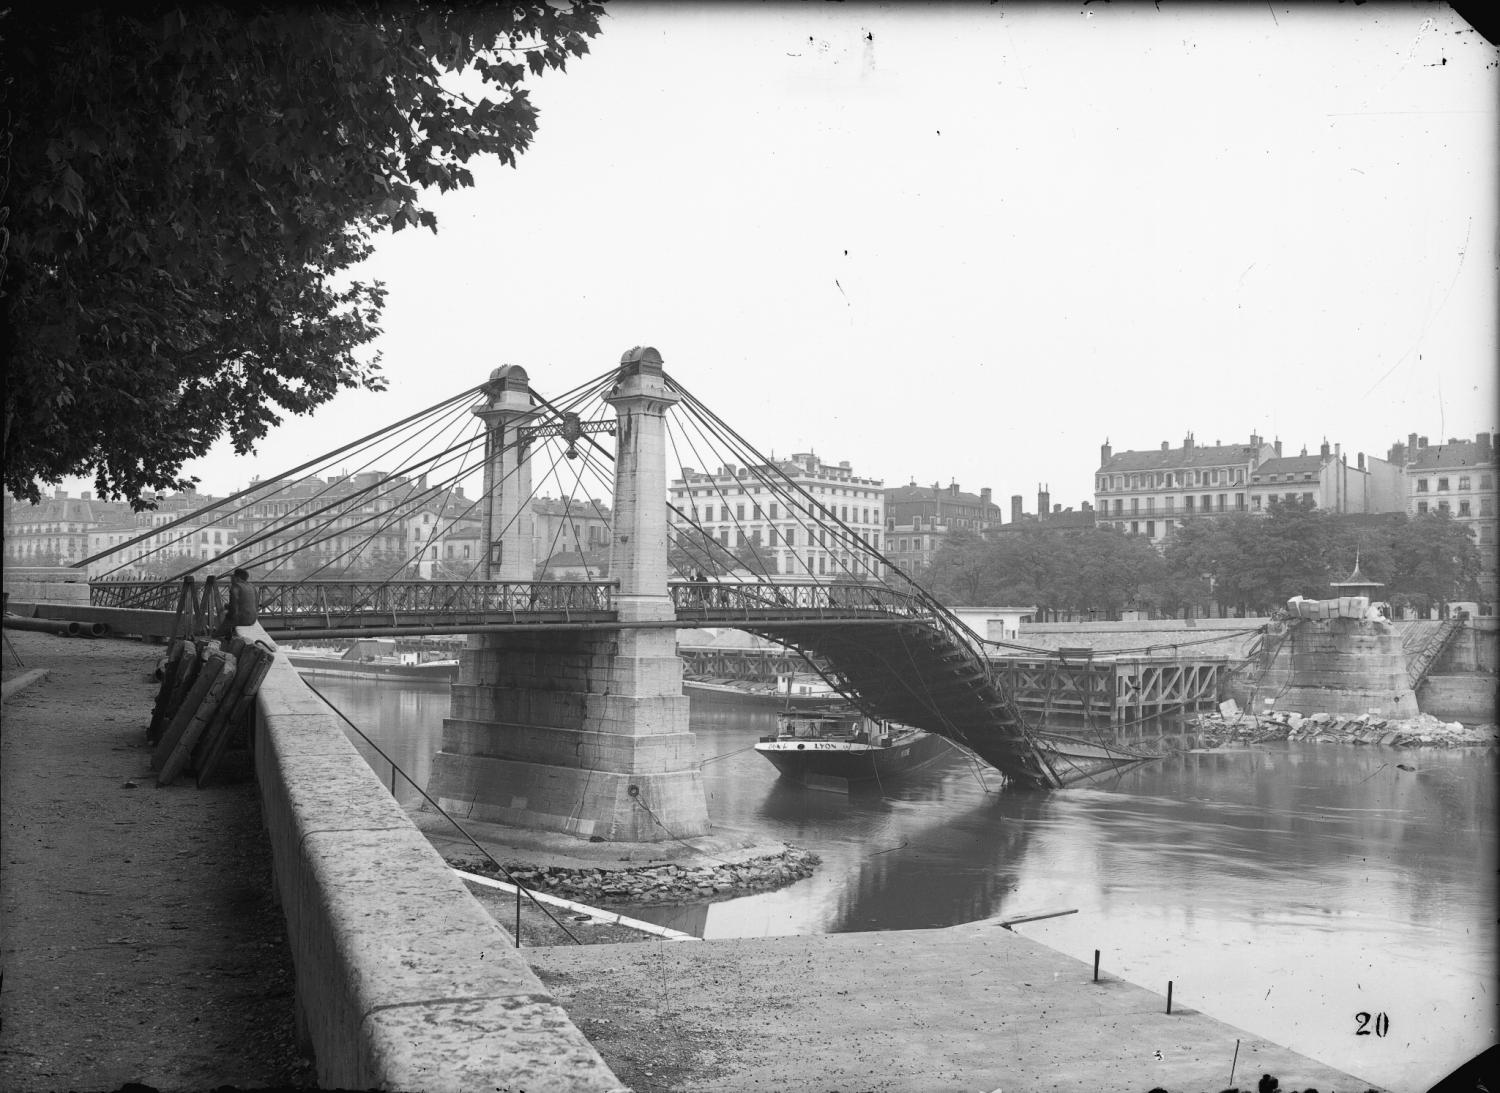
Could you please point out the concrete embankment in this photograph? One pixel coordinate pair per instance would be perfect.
(403, 981)
(972, 1007)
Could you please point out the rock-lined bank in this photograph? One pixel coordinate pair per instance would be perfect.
(657, 883)
(1422, 731)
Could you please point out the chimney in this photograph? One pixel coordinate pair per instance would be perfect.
(984, 496)
(1056, 509)
(1043, 500)
(1397, 454)
(1105, 451)
(1361, 462)
(1486, 453)
(59, 495)
(1255, 440)
(1015, 508)
(952, 489)
(1277, 446)
(1411, 443)
(1166, 445)
(1323, 451)
(1421, 442)
(1187, 443)
(88, 496)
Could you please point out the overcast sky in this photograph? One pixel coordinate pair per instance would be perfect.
(972, 242)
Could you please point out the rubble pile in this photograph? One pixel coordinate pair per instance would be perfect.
(1424, 730)
(657, 883)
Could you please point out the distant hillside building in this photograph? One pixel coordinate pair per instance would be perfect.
(918, 519)
(742, 515)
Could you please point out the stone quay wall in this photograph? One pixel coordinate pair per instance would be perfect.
(403, 980)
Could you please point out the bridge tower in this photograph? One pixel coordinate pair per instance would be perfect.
(509, 543)
(585, 732)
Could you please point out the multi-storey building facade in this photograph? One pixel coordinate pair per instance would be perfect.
(919, 518)
(744, 517)
(1152, 492)
(1459, 478)
(578, 527)
(133, 550)
(55, 531)
(1327, 482)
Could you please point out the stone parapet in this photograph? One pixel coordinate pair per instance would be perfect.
(403, 980)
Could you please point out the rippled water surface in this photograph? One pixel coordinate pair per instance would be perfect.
(1285, 890)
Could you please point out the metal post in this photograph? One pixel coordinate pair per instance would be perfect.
(1169, 996)
(518, 914)
(1096, 965)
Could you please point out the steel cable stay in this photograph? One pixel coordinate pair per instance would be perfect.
(422, 420)
(393, 482)
(237, 550)
(268, 484)
(397, 768)
(464, 449)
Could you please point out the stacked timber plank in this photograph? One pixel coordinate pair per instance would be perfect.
(205, 700)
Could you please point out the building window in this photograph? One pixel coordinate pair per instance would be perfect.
(1463, 481)
(1188, 502)
(1486, 482)
(1135, 506)
(1486, 506)
(1239, 502)
(1208, 502)
(1463, 508)
(773, 511)
(1150, 504)
(1135, 527)
(1255, 502)
(1171, 504)
(739, 512)
(1442, 485)
(1442, 506)
(1421, 485)
(1119, 508)
(1308, 498)
(1222, 505)
(1151, 529)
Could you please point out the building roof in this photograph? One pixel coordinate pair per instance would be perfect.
(1290, 464)
(1455, 454)
(1213, 455)
(895, 495)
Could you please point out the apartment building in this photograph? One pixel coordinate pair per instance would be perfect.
(1152, 492)
(1328, 482)
(1458, 477)
(735, 506)
(919, 518)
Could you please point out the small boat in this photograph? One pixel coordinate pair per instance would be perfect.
(839, 748)
(375, 657)
(787, 691)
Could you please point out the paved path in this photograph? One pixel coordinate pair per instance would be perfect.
(139, 937)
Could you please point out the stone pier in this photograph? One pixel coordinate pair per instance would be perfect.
(1340, 666)
(585, 732)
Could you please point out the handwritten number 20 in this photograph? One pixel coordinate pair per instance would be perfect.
(1379, 1024)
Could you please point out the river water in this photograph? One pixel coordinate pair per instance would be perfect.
(1316, 895)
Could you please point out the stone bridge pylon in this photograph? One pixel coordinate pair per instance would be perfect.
(583, 732)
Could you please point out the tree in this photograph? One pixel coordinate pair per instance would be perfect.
(189, 186)
(1434, 560)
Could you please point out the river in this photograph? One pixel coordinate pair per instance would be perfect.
(1316, 895)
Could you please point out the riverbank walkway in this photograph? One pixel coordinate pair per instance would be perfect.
(141, 944)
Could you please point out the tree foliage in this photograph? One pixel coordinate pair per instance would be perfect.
(1243, 563)
(188, 187)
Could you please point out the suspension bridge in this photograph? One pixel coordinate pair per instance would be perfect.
(568, 708)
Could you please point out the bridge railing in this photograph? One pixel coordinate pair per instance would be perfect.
(292, 599)
(755, 599)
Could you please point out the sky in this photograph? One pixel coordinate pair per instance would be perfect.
(973, 242)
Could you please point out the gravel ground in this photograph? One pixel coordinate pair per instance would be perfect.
(141, 941)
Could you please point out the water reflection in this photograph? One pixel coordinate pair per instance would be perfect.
(1282, 888)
